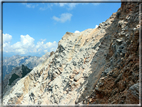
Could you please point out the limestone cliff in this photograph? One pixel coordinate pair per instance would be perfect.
(98, 66)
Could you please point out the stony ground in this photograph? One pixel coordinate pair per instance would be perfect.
(99, 66)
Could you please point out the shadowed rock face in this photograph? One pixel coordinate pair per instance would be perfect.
(16, 74)
(13, 77)
(97, 66)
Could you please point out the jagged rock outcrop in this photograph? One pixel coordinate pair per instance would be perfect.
(97, 66)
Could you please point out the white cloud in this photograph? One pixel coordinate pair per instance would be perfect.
(30, 5)
(6, 38)
(62, 4)
(27, 40)
(6, 42)
(96, 26)
(77, 31)
(26, 45)
(46, 6)
(70, 6)
(63, 17)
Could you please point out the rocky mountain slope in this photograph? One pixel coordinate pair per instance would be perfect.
(10, 63)
(96, 66)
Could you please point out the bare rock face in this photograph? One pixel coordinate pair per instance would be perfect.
(119, 82)
(95, 66)
(133, 94)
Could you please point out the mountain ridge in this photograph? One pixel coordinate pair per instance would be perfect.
(95, 66)
(10, 63)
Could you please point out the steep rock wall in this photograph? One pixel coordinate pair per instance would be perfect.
(121, 85)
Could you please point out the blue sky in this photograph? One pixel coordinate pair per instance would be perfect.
(36, 28)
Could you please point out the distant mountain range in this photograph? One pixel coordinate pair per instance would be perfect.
(10, 63)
